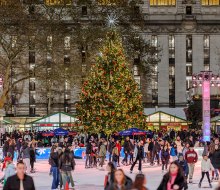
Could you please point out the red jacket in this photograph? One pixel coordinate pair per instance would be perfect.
(118, 147)
(6, 159)
(191, 156)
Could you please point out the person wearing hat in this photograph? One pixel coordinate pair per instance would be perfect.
(191, 158)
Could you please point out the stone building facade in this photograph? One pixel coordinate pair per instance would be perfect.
(188, 34)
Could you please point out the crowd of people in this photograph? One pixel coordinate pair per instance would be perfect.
(172, 151)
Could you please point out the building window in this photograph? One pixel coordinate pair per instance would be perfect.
(84, 10)
(210, 2)
(162, 2)
(171, 70)
(32, 98)
(31, 57)
(32, 111)
(58, 2)
(189, 48)
(188, 70)
(188, 84)
(67, 43)
(171, 83)
(171, 49)
(154, 41)
(206, 50)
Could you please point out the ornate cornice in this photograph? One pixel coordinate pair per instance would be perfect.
(185, 27)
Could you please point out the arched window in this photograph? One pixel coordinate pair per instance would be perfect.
(162, 2)
(210, 2)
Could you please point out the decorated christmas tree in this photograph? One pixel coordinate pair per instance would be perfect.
(110, 98)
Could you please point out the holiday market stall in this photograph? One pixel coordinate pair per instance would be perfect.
(54, 121)
(164, 121)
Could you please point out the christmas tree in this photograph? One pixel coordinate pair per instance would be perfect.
(110, 98)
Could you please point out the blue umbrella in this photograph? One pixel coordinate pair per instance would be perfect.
(60, 131)
(132, 131)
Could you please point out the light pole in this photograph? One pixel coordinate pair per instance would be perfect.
(206, 79)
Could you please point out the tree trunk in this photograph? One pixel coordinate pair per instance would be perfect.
(5, 87)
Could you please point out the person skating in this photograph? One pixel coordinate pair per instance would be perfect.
(102, 154)
(206, 166)
(54, 163)
(191, 158)
(215, 159)
(127, 149)
(139, 157)
(19, 181)
(184, 167)
(165, 157)
(174, 179)
(111, 145)
(66, 165)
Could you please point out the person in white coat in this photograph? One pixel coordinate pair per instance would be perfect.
(206, 166)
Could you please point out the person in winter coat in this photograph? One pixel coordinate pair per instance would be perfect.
(185, 149)
(66, 165)
(25, 152)
(121, 181)
(18, 147)
(32, 156)
(115, 155)
(118, 145)
(184, 167)
(7, 158)
(102, 154)
(215, 158)
(127, 150)
(183, 164)
(6, 147)
(139, 157)
(174, 179)
(178, 143)
(155, 152)
(10, 170)
(173, 152)
(206, 166)
(54, 163)
(109, 178)
(165, 157)
(11, 147)
(88, 162)
(191, 158)
(111, 145)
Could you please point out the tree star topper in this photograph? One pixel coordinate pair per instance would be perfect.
(112, 20)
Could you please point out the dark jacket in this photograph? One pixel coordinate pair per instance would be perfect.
(165, 156)
(180, 181)
(127, 146)
(13, 183)
(156, 147)
(128, 184)
(140, 152)
(65, 165)
(89, 148)
(215, 159)
(184, 166)
(53, 160)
